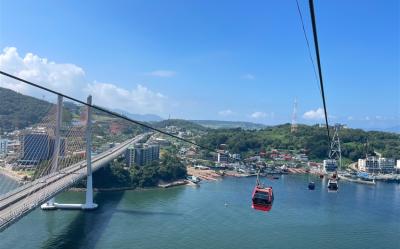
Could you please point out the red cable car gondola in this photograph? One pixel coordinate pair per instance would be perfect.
(262, 197)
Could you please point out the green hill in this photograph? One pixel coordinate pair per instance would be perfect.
(179, 123)
(18, 111)
(311, 139)
(217, 124)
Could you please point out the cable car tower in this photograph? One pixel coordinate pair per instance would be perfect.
(335, 150)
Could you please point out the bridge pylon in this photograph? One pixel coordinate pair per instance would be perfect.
(57, 143)
(88, 205)
(89, 182)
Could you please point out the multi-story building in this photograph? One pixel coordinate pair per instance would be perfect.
(236, 156)
(386, 165)
(222, 156)
(302, 157)
(13, 146)
(142, 154)
(330, 165)
(398, 166)
(369, 164)
(37, 147)
(172, 129)
(376, 165)
(130, 156)
(3, 147)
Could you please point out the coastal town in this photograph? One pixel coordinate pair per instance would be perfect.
(22, 152)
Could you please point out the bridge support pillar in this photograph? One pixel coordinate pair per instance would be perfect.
(89, 181)
(51, 205)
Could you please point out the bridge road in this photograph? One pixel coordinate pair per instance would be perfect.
(21, 202)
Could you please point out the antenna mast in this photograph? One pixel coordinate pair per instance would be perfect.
(294, 126)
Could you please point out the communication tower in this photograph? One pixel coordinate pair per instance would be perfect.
(294, 127)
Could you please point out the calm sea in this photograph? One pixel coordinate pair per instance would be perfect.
(358, 216)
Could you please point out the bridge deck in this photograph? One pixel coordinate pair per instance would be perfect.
(24, 199)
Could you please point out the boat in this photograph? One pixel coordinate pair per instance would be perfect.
(284, 169)
(333, 184)
(365, 176)
(311, 185)
(193, 179)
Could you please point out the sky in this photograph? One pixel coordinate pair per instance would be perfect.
(220, 60)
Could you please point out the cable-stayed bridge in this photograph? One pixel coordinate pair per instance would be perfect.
(58, 154)
(24, 199)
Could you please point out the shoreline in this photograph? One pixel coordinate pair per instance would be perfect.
(341, 177)
(159, 186)
(11, 174)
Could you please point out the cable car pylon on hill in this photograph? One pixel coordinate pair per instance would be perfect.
(335, 157)
(262, 197)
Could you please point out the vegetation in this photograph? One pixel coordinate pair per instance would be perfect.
(311, 140)
(217, 124)
(117, 175)
(18, 111)
(184, 124)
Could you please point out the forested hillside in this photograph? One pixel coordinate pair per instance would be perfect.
(311, 139)
(19, 111)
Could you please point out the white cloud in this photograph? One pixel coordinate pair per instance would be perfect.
(137, 100)
(162, 73)
(60, 77)
(227, 112)
(248, 76)
(258, 115)
(70, 79)
(314, 114)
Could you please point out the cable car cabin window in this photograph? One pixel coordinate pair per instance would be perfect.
(261, 195)
(261, 198)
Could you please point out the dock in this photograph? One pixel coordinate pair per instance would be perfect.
(297, 171)
(341, 177)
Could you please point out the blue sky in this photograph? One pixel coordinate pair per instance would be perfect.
(227, 60)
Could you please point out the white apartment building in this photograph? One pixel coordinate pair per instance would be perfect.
(376, 165)
(330, 165)
(386, 165)
(3, 146)
(369, 164)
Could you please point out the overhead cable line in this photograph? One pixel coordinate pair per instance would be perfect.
(107, 111)
(308, 44)
(314, 26)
